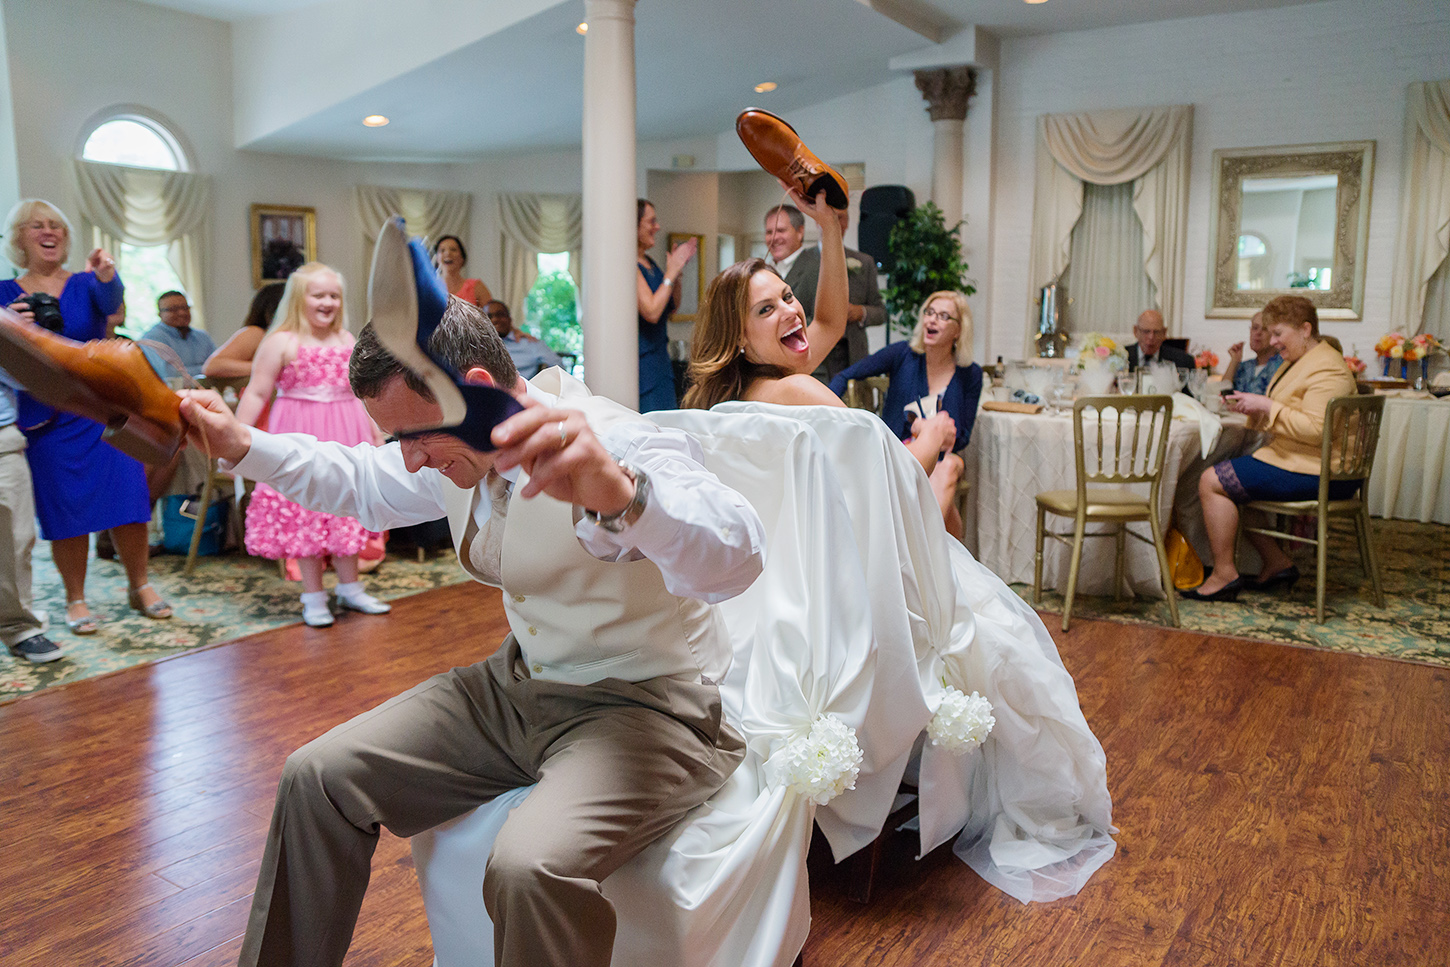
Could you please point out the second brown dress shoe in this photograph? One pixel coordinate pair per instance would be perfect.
(106, 380)
(779, 150)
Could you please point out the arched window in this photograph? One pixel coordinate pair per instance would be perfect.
(137, 141)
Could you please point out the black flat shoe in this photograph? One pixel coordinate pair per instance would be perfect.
(1229, 592)
(1287, 577)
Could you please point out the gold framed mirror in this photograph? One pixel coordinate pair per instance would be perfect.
(1290, 220)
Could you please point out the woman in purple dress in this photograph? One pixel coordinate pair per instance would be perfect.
(82, 484)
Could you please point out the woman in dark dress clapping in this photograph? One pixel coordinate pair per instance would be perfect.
(657, 299)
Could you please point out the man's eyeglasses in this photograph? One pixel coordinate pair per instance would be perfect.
(934, 314)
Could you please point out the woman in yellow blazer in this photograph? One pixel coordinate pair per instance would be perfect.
(1287, 468)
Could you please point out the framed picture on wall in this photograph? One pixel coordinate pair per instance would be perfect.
(284, 238)
(692, 280)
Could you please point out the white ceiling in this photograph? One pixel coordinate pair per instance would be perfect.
(697, 62)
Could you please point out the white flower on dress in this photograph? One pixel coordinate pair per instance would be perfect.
(961, 722)
(820, 765)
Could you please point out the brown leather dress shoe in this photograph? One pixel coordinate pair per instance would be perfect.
(106, 380)
(778, 149)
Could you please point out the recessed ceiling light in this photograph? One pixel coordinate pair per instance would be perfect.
(582, 29)
(1036, 1)
(375, 120)
(765, 87)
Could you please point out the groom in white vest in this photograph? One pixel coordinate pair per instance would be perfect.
(611, 542)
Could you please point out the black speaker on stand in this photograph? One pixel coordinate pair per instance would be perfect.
(882, 206)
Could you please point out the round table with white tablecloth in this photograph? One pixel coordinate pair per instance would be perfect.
(1411, 476)
(1015, 456)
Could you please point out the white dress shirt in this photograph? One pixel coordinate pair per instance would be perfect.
(783, 267)
(706, 539)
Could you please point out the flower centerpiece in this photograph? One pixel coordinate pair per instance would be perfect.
(1099, 349)
(1390, 347)
(1207, 359)
(1421, 348)
(1355, 364)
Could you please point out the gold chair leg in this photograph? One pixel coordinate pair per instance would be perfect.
(200, 525)
(1077, 541)
(1037, 567)
(1161, 548)
(1321, 554)
(1368, 557)
(1120, 575)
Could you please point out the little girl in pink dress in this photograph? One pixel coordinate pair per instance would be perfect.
(305, 360)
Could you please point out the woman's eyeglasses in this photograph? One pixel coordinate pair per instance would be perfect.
(934, 314)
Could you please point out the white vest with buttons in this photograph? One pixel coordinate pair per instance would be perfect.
(579, 619)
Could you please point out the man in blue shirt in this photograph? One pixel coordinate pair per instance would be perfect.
(20, 626)
(174, 330)
(530, 355)
(1253, 375)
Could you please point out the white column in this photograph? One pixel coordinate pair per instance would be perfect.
(947, 91)
(946, 168)
(611, 345)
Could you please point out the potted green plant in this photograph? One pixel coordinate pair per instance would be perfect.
(927, 257)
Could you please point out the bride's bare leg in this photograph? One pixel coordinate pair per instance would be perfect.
(944, 479)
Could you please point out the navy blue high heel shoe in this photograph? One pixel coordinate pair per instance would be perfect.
(407, 300)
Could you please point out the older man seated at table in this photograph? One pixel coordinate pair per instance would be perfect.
(1287, 468)
(1150, 348)
(1253, 375)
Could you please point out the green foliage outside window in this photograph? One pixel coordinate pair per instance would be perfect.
(928, 258)
(551, 312)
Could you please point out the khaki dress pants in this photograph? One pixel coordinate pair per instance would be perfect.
(18, 620)
(616, 765)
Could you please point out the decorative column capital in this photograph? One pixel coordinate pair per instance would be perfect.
(947, 90)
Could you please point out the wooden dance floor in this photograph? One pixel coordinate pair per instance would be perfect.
(1276, 805)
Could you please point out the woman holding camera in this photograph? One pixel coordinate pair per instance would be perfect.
(82, 485)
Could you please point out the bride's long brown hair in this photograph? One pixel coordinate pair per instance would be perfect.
(719, 370)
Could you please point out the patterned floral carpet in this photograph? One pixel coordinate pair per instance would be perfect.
(1414, 626)
(232, 596)
(226, 597)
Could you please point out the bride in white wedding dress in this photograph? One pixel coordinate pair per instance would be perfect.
(855, 654)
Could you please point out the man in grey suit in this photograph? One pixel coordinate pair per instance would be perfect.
(1150, 348)
(785, 232)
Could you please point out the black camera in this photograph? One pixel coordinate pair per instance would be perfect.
(46, 310)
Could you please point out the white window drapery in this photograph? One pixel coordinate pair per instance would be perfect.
(1105, 280)
(148, 207)
(1149, 147)
(1418, 299)
(530, 224)
(431, 214)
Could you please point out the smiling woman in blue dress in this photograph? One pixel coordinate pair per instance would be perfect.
(82, 485)
(657, 298)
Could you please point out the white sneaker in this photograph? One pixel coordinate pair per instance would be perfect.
(356, 599)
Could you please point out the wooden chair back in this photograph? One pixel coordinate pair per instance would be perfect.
(1351, 434)
(1130, 441)
(868, 393)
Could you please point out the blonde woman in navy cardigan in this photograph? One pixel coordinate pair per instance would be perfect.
(932, 372)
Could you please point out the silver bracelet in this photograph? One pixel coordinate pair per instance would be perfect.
(668, 282)
(633, 511)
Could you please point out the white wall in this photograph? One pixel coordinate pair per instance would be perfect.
(72, 59)
(1333, 71)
